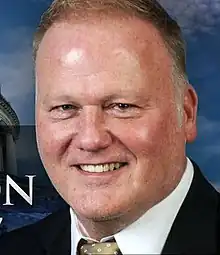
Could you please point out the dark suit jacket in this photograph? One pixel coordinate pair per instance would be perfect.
(196, 229)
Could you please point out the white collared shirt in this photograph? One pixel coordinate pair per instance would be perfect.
(148, 234)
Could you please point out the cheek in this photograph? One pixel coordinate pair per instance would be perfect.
(144, 136)
(53, 140)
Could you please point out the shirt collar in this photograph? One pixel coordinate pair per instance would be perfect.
(148, 234)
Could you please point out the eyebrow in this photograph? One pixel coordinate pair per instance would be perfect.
(53, 98)
(105, 98)
(128, 95)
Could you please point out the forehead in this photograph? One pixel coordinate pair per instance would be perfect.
(132, 39)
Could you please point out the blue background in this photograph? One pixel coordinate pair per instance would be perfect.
(200, 21)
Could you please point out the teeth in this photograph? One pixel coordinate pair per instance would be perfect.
(100, 168)
(117, 165)
(105, 167)
(111, 167)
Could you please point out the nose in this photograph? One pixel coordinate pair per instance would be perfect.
(93, 135)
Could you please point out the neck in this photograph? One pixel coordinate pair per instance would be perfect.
(98, 229)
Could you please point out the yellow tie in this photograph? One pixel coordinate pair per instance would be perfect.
(107, 248)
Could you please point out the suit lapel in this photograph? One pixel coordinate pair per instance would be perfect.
(195, 227)
(61, 246)
(55, 234)
(62, 242)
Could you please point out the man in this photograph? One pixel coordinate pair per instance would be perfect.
(114, 111)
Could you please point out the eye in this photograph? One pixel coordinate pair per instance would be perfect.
(123, 110)
(66, 107)
(122, 106)
(64, 111)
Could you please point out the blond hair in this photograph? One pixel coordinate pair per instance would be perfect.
(149, 10)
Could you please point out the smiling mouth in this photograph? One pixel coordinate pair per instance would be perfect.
(99, 168)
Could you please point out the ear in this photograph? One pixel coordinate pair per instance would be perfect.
(190, 113)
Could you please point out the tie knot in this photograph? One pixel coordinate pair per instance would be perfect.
(107, 248)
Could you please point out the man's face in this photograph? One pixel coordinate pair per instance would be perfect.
(106, 116)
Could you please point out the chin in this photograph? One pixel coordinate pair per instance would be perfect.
(97, 213)
(103, 217)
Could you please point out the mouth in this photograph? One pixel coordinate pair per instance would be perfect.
(100, 168)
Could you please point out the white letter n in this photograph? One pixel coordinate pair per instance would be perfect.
(10, 182)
